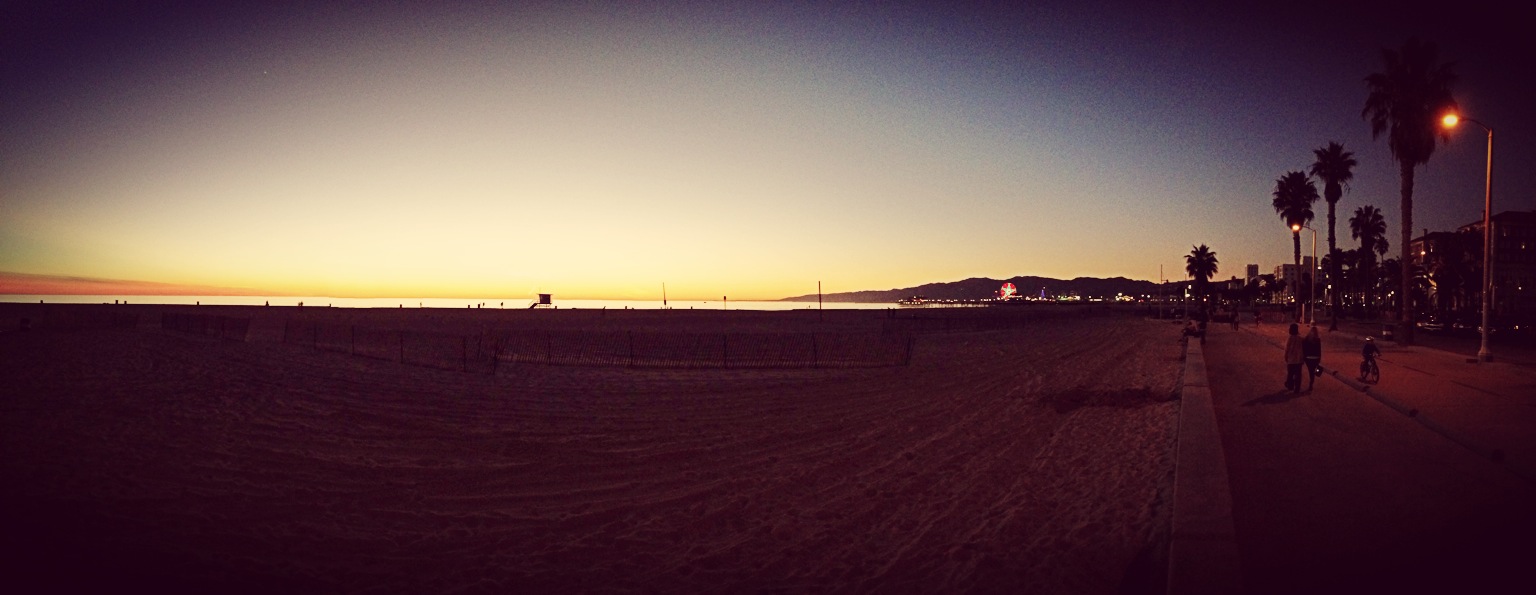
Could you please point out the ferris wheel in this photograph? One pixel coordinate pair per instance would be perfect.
(1007, 291)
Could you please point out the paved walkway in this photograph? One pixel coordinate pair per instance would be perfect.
(1342, 490)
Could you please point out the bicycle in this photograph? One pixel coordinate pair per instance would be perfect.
(1369, 372)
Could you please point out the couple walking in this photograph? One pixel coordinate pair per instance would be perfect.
(1300, 351)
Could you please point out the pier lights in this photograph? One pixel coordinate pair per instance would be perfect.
(1450, 121)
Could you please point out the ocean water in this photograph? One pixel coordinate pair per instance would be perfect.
(512, 304)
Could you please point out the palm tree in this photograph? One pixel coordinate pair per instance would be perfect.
(1348, 262)
(1367, 226)
(1405, 101)
(1392, 276)
(1293, 198)
(1334, 166)
(1272, 286)
(1200, 263)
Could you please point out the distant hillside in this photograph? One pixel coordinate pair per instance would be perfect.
(980, 288)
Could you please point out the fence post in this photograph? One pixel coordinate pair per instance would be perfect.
(907, 361)
(815, 359)
(496, 358)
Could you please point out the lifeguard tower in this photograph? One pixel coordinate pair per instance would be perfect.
(543, 302)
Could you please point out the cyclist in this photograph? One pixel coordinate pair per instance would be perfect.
(1368, 353)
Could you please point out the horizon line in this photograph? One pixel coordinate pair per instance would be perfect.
(14, 283)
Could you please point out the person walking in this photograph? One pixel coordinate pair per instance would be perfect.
(1312, 354)
(1293, 359)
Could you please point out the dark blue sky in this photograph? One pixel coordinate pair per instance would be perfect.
(180, 142)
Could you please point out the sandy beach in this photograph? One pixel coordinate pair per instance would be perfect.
(1032, 458)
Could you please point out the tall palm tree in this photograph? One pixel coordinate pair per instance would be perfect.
(1348, 262)
(1334, 166)
(1200, 263)
(1293, 198)
(1392, 276)
(1406, 100)
(1367, 226)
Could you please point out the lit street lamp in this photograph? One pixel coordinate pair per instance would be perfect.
(1311, 278)
(1450, 121)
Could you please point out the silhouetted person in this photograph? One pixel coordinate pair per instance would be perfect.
(1368, 353)
(1312, 354)
(1293, 360)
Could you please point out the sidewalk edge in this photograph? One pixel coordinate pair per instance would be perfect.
(1202, 551)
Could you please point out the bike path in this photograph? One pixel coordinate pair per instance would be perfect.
(1334, 492)
(1490, 405)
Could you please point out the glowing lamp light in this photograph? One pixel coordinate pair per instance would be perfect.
(1450, 120)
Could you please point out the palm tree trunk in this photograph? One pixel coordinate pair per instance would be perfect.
(1368, 281)
(1405, 311)
(1296, 240)
(1333, 270)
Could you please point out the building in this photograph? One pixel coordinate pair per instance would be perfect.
(1252, 273)
(1290, 276)
(1431, 255)
(1514, 262)
(1426, 248)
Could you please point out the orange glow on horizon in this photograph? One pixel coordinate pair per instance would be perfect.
(25, 284)
(32, 284)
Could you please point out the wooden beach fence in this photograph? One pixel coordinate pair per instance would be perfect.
(637, 349)
(230, 328)
(418, 348)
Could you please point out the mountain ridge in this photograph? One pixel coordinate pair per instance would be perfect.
(976, 288)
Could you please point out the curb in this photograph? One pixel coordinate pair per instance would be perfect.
(1202, 550)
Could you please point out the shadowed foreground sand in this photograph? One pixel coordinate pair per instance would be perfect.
(1034, 459)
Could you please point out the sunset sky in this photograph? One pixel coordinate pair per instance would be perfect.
(599, 149)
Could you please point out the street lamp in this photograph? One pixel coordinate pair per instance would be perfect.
(1450, 121)
(1312, 277)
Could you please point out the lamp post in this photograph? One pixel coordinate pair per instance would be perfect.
(1312, 278)
(1450, 121)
